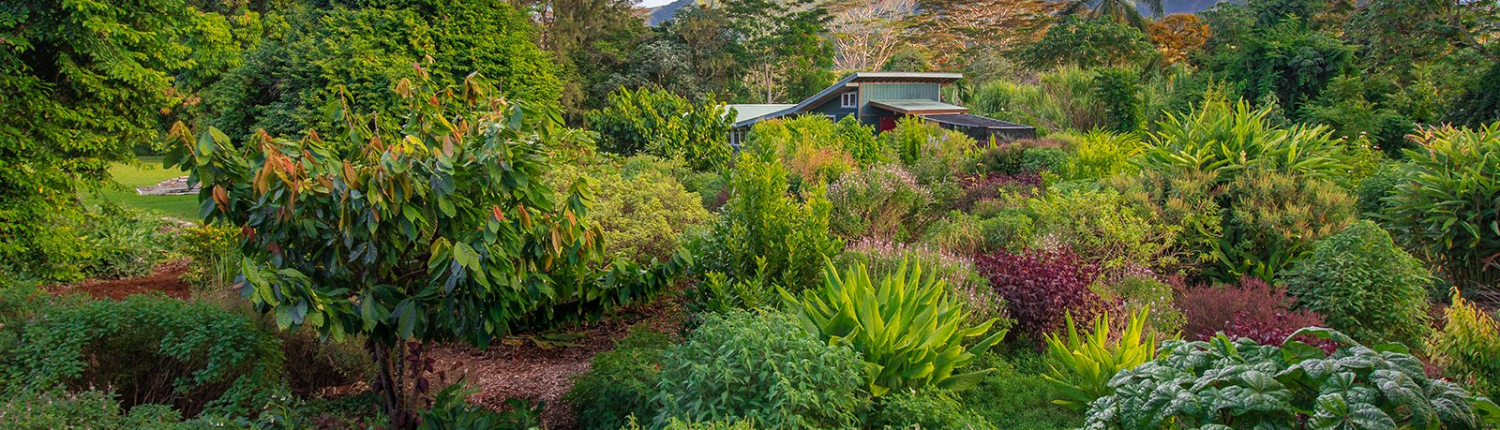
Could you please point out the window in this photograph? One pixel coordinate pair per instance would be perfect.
(849, 99)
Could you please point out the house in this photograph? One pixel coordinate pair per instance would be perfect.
(879, 99)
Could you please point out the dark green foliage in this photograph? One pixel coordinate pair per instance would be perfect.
(1044, 159)
(1286, 63)
(1480, 103)
(763, 367)
(927, 410)
(91, 409)
(1220, 382)
(619, 383)
(1363, 284)
(762, 221)
(1119, 91)
(1446, 209)
(83, 83)
(1374, 189)
(1087, 42)
(665, 125)
(148, 350)
(290, 83)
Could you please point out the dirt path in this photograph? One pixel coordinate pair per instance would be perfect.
(520, 368)
(165, 279)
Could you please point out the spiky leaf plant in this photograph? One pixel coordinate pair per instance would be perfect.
(1082, 366)
(907, 327)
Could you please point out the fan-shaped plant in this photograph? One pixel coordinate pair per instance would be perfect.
(907, 327)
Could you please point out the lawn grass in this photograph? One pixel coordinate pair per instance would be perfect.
(148, 171)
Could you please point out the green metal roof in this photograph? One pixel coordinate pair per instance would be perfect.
(751, 111)
(916, 106)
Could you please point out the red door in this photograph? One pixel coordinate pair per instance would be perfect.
(887, 122)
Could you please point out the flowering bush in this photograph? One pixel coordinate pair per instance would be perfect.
(984, 190)
(1252, 309)
(1039, 288)
(882, 201)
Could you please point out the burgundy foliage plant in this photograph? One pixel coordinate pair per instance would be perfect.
(1252, 309)
(1039, 287)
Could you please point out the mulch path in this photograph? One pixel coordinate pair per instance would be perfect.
(165, 279)
(521, 369)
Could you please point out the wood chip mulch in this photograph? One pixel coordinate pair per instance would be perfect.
(520, 368)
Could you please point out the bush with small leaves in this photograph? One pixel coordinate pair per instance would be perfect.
(1103, 227)
(760, 366)
(194, 357)
(619, 383)
(1221, 383)
(1374, 189)
(1364, 285)
(642, 213)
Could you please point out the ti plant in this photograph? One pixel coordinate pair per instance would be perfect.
(1223, 384)
(1082, 366)
(907, 327)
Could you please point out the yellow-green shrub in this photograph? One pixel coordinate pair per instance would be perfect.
(1468, 347)
(1083, 364)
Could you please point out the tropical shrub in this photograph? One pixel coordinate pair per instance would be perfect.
(1275, 218)
(1447, 208)
(1083, 364)
(882, 259)
(1224, 138)
(860, 142)
(1012, 158)
(1364, 285)
(444, 230)
(1104, 227)
(1222, 382)
(1100, 154)
(762, 221)
(1251, 308)
(760, 366)
(1468, 346)
(666, 125)
(931, 409)
(908, 329)
(717, 293)
(619, 383)
(882, 201)
(195, 357)
(1040, 287)
(642, 214)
